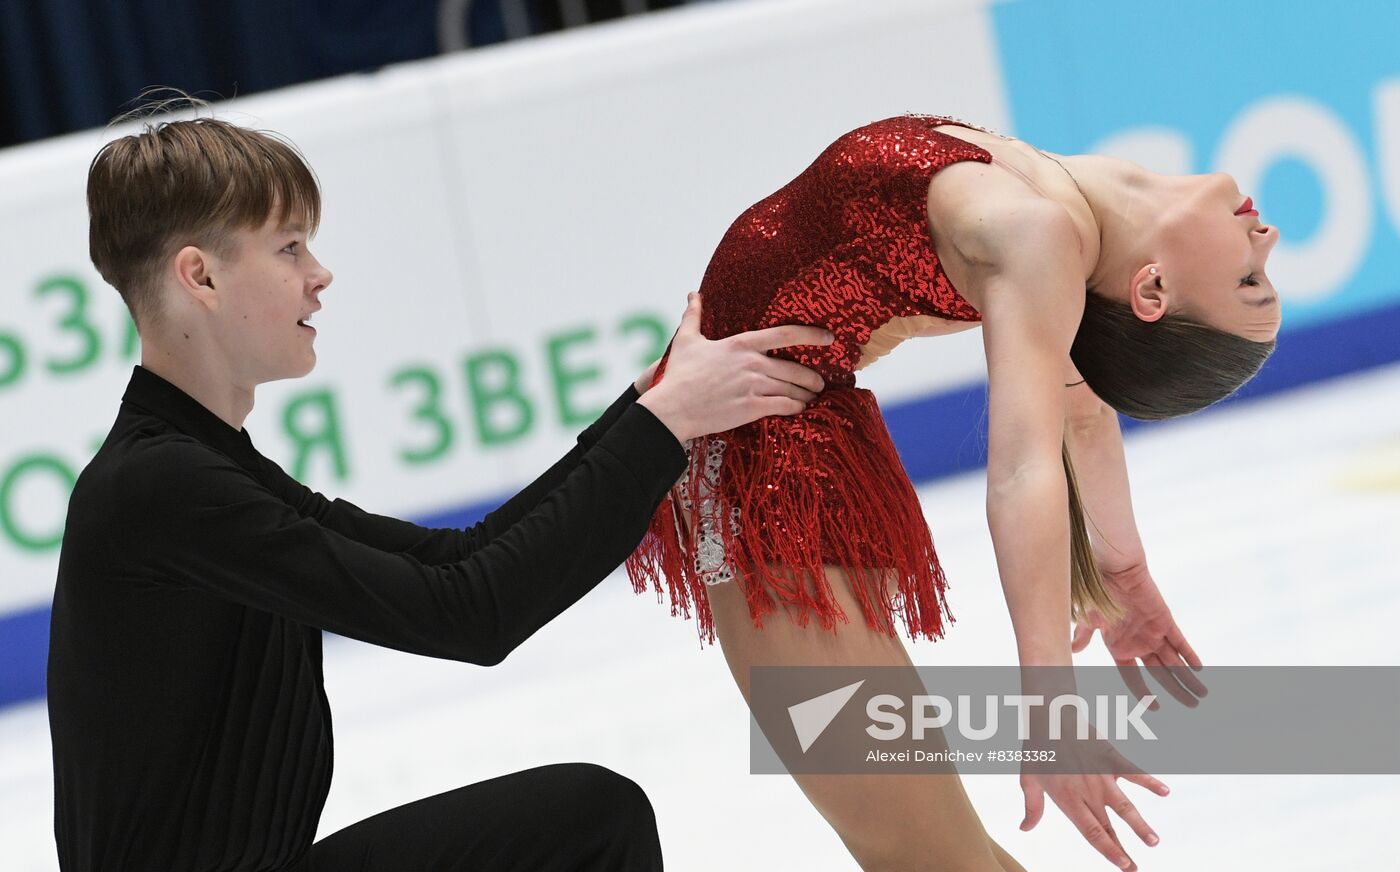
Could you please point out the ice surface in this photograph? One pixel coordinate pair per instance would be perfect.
(1271, 528)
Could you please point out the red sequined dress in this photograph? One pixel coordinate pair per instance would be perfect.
(846, 246)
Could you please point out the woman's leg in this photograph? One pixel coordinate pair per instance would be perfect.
(566, 817)
(888, 822)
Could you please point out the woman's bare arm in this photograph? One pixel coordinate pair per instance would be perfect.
(1095, 442)
(1032, 303)
(1031, 309)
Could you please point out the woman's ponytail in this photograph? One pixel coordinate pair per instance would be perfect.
(1086, 588)
(1149, 370)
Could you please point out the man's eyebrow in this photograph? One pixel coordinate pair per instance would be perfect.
(1267, 301)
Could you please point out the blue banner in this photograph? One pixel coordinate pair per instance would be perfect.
(1299, 101)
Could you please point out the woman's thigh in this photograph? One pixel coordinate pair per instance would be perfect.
(887, 821)
(568, 816)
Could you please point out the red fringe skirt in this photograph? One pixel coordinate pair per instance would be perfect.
(776, 501)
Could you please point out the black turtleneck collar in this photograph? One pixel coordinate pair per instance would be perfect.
(155, 395)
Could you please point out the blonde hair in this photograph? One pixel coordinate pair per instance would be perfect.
(187, 182)
(1087, 591)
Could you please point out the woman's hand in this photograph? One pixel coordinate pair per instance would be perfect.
(1086, 791)
(1147, 632)
(713, 385)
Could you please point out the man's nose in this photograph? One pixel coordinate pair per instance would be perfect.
(323, 278)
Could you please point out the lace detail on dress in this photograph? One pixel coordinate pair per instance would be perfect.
(711, 562)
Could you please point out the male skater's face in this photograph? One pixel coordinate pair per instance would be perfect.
(271, 284)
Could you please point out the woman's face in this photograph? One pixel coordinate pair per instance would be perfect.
(1211, 261)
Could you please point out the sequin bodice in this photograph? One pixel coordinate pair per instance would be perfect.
(845, 246)
(777, 501)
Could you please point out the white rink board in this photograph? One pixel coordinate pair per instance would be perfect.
(495, 201)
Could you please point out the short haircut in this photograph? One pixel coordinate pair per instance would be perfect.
(188, 182)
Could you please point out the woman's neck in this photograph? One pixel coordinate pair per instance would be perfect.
(1125, 199)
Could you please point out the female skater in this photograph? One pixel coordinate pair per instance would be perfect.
(1099, 285)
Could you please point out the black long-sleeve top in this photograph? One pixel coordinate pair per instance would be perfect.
(190, 725)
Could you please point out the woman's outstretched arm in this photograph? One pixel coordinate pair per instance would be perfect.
(1095, 442)
(1147, 631)
(1032, 303)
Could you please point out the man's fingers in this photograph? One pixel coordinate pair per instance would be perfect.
(783, 336)
(766, 406)
(779, 388)
(690, 321)
(794, 373)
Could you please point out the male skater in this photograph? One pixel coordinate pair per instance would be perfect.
(190, 725)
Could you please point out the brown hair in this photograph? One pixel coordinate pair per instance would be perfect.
(187, 182)
(1150, 371)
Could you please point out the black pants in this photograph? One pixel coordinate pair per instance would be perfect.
(562, 818)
